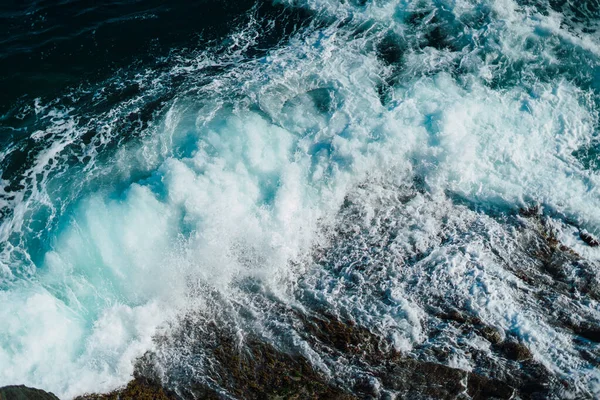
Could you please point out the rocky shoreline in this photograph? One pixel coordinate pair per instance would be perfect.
(253, 367)
(257, 370)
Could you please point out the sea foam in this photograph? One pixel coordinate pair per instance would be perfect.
(242, 176)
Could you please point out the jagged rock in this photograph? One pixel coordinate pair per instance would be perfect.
(530, 212)
(589, 239)
(251, 368)
(138, 389)
(262, 371)
(417, 379)
(514, 350)
(587, 331)
(491, 334)
(256, 369)
(411, 378)
(24, 393)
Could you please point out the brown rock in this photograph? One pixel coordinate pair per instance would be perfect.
(491, 334)
(416, 378)
(514, 350)
(589, 239)
(138, 389)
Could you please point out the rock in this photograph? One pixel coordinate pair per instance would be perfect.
(263, 371)
(250, 367)
(24, 393)
(589, 239)
(138, 389)
(247, 368)
(480, 388)
(491, 334)
(345, 337)
(531, 212)
(588, 331)
(409, 377)
(413, 378)
(514, 350)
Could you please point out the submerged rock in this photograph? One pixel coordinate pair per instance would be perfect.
(24, 393)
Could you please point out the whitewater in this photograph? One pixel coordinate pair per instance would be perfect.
(381, 162)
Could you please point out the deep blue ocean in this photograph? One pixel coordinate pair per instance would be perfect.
(378, 160)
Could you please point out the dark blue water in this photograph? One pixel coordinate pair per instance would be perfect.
(47, 46)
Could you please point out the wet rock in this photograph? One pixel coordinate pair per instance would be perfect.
(252, 368)
(344, 337)
(514, 350)
(531, 212)
(248, 367)
(139, 388)
(589, 239)
(524, 277)
(479, 388)
(556, 268)
(260, 370)
(536, 382)
(588, 331)
(470, 323)
(24, 393)
(412, 378)
(491, 334)
(593, 357)
(456, 316)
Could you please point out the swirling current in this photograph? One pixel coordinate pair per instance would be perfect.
(426, 171)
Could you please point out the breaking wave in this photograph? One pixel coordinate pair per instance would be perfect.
(378, 161)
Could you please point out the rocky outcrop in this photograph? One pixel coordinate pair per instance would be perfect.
(228, 357)
(256, 369)
(24, 393)
(139, 388)
(407, 377)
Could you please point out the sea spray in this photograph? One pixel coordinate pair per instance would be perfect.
(378, 162)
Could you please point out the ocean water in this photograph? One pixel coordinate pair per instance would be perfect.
(370, 159)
